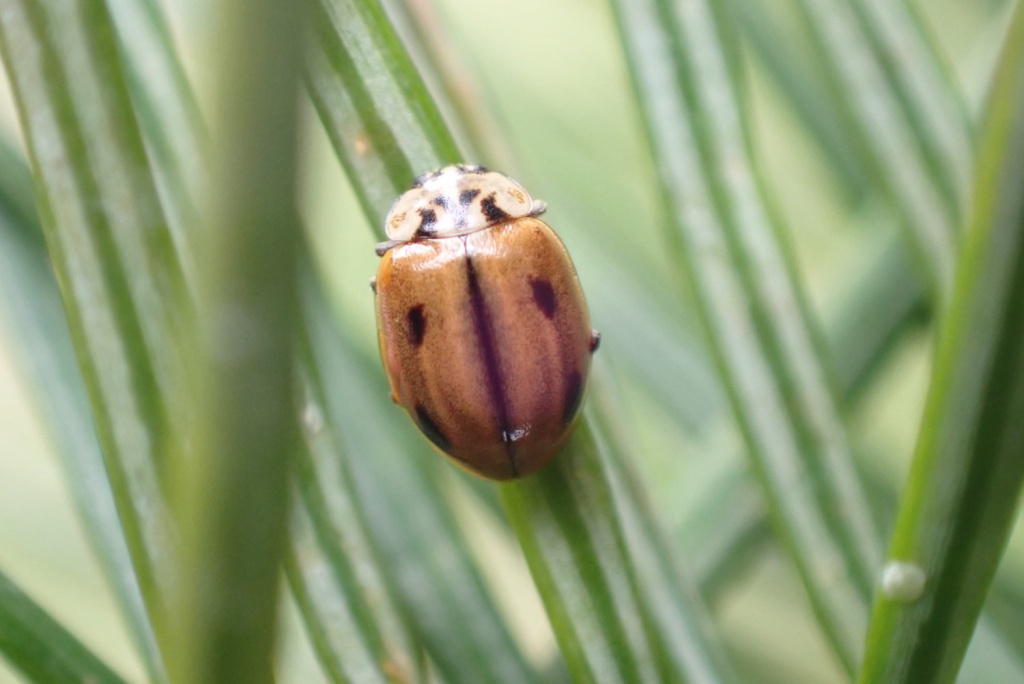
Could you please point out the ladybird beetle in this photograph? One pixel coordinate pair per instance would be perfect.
(483, 328)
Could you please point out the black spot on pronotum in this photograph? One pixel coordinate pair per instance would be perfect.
(417, 325)
(467, 196)
(440, 201)
(430, 429)
(544, 296)
(573, 396)
(428, 217)
(492, 212)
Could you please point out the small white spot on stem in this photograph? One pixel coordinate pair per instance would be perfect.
(313, 418)
(903, 582)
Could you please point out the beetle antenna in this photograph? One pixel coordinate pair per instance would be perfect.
(382, 247)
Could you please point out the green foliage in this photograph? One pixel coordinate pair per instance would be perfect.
(206, 372)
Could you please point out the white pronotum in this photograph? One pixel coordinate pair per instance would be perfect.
(456, 200)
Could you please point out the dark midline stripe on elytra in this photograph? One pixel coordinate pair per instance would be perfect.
(495, 383)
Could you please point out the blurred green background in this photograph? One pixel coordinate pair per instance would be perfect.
(555, 84)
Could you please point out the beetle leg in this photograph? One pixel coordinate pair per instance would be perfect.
(373, 285)
(595, 341)
(538, 208)
(394, 398)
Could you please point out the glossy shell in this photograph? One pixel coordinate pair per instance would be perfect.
(456, 200)
(486, 341)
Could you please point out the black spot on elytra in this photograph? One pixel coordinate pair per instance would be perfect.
(430, 429)
(417, 325)
(573, 396)
(467, 196)
(544, 296)
(440, 201)
(492, 212)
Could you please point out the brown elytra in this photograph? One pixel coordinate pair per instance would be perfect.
(487, 342)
